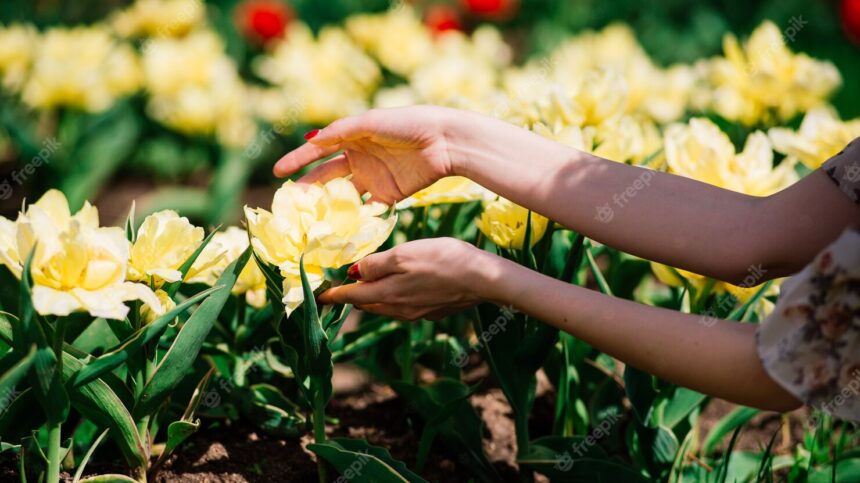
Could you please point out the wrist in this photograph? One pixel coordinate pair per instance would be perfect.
(490, 277)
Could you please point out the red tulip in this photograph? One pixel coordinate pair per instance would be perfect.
(263, 20)
(440, 18)
(492, 9)
(851, 19)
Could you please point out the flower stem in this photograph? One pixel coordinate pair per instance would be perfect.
(319, 432)
(53, 475)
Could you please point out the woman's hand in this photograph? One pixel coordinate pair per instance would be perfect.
(428, 278)
(391, 153)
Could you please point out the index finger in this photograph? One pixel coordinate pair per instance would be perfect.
(360, 293)
(302, 156)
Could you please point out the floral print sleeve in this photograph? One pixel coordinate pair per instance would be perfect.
(810, 344)
(844, 170)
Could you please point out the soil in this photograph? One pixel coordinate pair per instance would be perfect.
(237, 453)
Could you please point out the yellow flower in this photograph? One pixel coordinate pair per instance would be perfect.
(164, 242)
(453, 189)
(676, 277)
(821, 136)
(159, 18)
(16, 54)
(573, 136)
(76, 265)
(148, 314)
(222, 250)
(625, 138)
(323, 78)
(505, 222)
(700, 150)
(195, 88)
(397, 38)
(326, 224)
(82, 67)
(763, 81)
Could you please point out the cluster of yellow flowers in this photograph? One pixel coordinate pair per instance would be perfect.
(323, 226)
(81, 67)
(763, 81)
(78, 265)
(194, 87)
(320, 78)
(159, 18)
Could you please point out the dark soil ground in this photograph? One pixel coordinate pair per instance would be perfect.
(238, 453)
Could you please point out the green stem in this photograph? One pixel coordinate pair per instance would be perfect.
(53, 475)
(521, 427)
(319, 432)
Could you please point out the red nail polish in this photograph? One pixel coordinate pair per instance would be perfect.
(353, 272)
(310, 134)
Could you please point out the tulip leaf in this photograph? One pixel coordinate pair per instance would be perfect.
(10, 378)
(316, 356)
(270, 409)
(108, 478)
(445, 407)
(735, 419)
(575, 459)
(115, 358)
(367, 335)
(98, 403)
(177, 362)
(358, 460)
(172, 287)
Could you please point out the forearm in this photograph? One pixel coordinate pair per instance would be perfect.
(654, 215)
(719, 359)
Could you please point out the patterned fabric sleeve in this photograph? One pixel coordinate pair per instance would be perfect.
(810, 344)
(844, 170)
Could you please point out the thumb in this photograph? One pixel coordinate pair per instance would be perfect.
(373, 267)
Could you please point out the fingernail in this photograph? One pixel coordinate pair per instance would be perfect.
(354, 272)
(310, 134)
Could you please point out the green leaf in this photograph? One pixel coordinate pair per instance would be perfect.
(735, 419)
(640, 391)
(117, 357)
(276, 414)
(11, 378)
(177, 362)
(682, 403)
(445, 407)
(359, 460)
(665, 445)
(110, 478)
(315, 355)
(598, 275)
(98, 403)
(575, 459)
(172, 287)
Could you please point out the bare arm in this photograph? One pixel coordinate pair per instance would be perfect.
(717, 358)
(658, 216)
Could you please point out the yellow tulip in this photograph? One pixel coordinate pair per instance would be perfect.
(222, 250)
(327, 226)
(700, 150)
(397, 38)
(159, 18)
(76, 265)
(164, 242)
(323, 77)
(16, 54)
(82, 67)
(821, 136)
(453, 189)
(762, 81)
(505, 222)
(148, 314)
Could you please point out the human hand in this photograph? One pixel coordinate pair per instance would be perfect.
(428, 278)
(391, 153)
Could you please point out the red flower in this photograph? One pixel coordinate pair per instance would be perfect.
(263, 20)
(440, 18)
(851, 19)
(492, 9)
